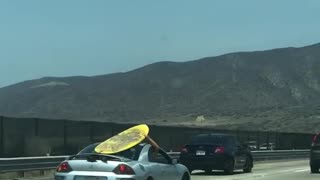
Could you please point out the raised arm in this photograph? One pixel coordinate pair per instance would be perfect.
(153, 143)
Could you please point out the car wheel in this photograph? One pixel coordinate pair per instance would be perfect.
(150, 178)
(229, 166)
(314, 169)
(248, 166)
(185, 177)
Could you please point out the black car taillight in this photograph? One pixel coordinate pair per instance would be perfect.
(219, 150)
(123, 169)
(64, 168)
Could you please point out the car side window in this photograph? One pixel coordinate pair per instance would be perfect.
(158, 156)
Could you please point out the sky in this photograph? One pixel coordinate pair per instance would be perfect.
(60, 38)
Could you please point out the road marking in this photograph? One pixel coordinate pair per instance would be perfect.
(302, 170)
(292, 170)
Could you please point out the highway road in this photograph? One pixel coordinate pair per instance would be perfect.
(277, 170)
(291, 170)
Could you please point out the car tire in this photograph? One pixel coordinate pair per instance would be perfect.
(185, 177)
(150, 178)
(229, 166)
(248, 166)
(314, 169)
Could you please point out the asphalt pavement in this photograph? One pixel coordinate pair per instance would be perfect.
(291, 170)
(277, 170)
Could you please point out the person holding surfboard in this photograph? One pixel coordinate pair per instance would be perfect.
(126, 140)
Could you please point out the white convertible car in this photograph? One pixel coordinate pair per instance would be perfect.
(138, 163)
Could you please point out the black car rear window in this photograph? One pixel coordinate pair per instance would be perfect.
(212, 139)
(132, 153)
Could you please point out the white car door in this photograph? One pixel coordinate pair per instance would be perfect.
(166, 170)
(169, 172)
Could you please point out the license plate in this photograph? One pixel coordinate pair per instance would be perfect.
(90, 178)
(200, 153)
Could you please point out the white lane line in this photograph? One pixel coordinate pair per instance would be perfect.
(294, 170)
(302, 170)
(287, 170)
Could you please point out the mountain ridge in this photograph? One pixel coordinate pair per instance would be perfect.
(226, 89)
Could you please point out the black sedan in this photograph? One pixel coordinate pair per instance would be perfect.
(216, 152)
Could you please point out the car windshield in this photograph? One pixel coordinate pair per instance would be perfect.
(211, 139)
(132, 153)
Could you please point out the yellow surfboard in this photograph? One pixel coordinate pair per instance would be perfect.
(124, 140)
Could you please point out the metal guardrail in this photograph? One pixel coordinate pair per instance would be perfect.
(51, 162)
(30, 163)
(279, 154)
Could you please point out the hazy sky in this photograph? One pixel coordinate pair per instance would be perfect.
(90, 37)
